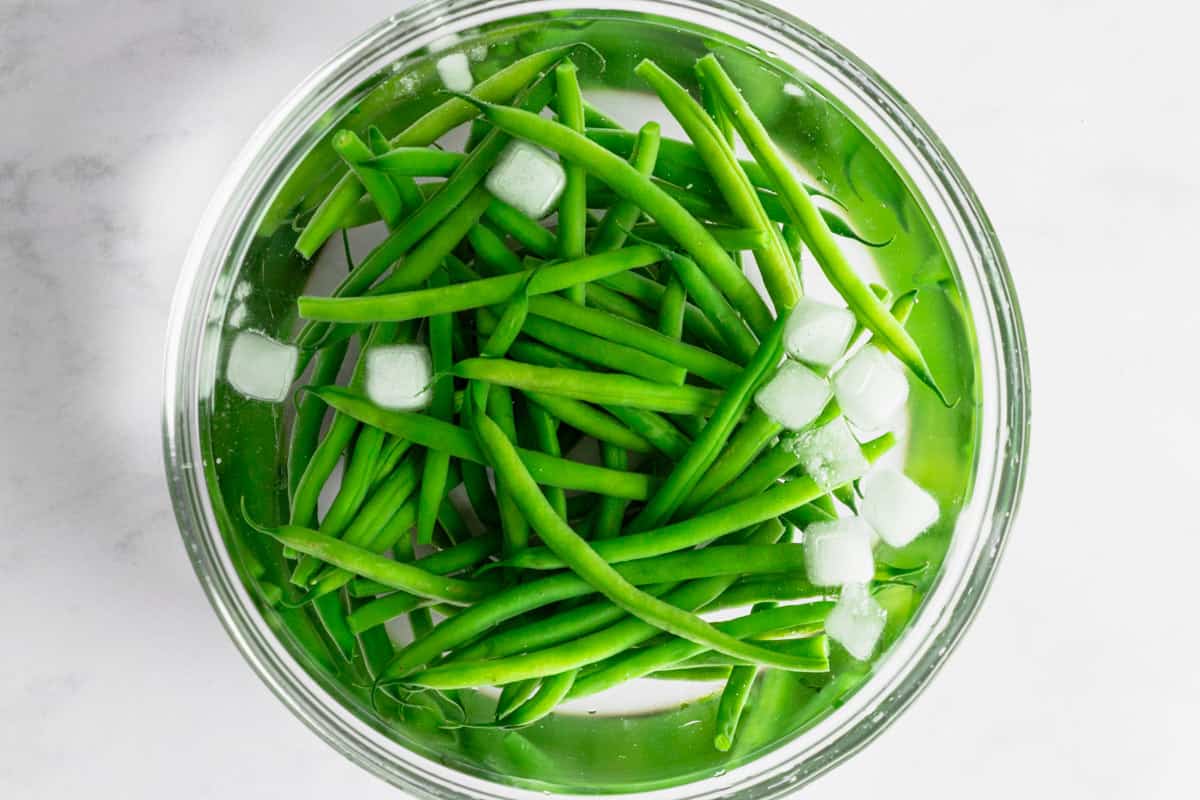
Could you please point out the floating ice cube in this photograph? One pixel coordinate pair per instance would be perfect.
(870, 387)
(838, 552)
(527, 178)
(399, 376)
(794, 396)
(830, 455)
(856, 621)
(455, 71)
(898, 509)
(261, 367)
(817, 333)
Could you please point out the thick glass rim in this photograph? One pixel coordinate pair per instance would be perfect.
(982, 526)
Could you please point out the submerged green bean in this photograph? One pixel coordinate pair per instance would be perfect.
(858, 296)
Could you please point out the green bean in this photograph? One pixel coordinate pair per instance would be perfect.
(816, 647)
(733, 700)
(563, 626)
(681, 165)
(603, 351)
(514, 526)
(858, 296)
(585, 562)
(674, 651)
(773, 502)
(670, 317)
(617, 304)
(605, 388)
(377, 514)
(403, 577)
(611, 514)
(544, 429)
(428, 432)
(696, 360)
(774, 261)
(382, 191)
(443, 562)
(337, 438)
(448, 197)
(491, 250)
(410, 192)
(474, 294)
(527, 232)
(513, 695)
(632, 185)
(714, 305)
(333, 618)
(591, 421)
(423, 162)
(717, 563)
(427, 256)
(572, 206)
(716, 112)
(393, 450)
(751, 437)
(554, 689)
(501, 87)
(310, 414)
(437, 463)
(654, 428)
(707, 446)
(649, 293)
(622, 215)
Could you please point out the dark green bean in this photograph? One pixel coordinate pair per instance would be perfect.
(572, 206)
(702, 528)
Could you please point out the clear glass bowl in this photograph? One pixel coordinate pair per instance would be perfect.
(872, 146)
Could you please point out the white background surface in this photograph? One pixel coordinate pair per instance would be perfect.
(1075, 121)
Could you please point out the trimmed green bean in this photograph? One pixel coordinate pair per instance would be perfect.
(383, 193)
(435, 434)
(670, 316)
(591, 421)
(702, 528)
(310, 414)
(572, 206)
(610, 515)
(421, 162)
(474, 294)
(427, 256)
(527, 232)
(723, 316)
(603, 351)
(696, 360)
(621, 216)
(437, 463)
(815, 231)
(751, 437)
(554, 689)
(774, 262)
(707, 446)
(598, 387)
(632, 185)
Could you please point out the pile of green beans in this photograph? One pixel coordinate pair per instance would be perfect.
(628, 329)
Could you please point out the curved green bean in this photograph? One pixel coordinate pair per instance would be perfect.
(702, 528)
(858, 296)
(474, 294)
(435, 434)
(632, 185)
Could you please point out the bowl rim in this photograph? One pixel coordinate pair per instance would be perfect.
(908, 666)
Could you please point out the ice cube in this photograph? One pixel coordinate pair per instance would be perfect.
(838, 552)
(527, 178)
(830, 454)
(897, 508)
(794, 396)
(870, 387)
(455, 71)
(856, 621)
(817, 333)
(399, 376)
(261, 367)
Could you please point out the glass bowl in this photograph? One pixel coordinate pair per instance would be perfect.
(871, 145)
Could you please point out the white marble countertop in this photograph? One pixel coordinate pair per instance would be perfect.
(1074, 120)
